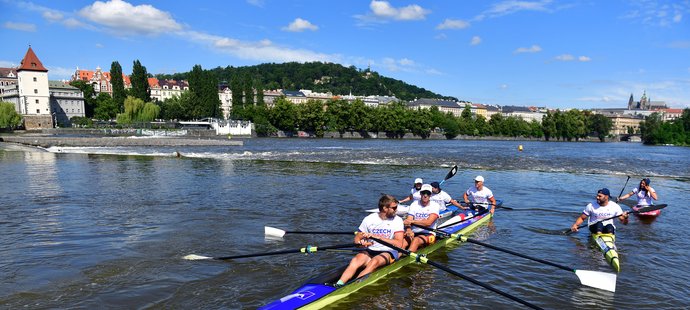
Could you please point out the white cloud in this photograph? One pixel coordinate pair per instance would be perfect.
(9, 64)
(99, 45)
(20, 26)
(584, 59)
(565, 57)
(476, 40)
(453, 24)
(441, 36)
(259, 3)
(657, 13)
(532, 49)
(679, 44)
(74, 23)
(406, 62)
(123, 18)
(513, 6)
(677, 18)
(263, 50)
(52, 15)
(60, 73)
(383, 11)
(299, 25)
(503, 86)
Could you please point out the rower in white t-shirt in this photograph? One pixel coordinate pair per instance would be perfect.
(414, 191)
(480, 195)
(442, 198)
(422, 212)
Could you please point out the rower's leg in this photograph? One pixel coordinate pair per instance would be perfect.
(376, 262)
(359, 260)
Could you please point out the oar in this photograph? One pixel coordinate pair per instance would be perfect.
(640, 210)
(597, 279)
(623, 189)
(498, 204)
(423, 259)
(275, 232)
(456, 219)
(307, 249)
(450, 174)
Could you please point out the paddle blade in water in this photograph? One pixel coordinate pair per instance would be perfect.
(597, 279)
(274, 232)
(196, 257)
(545, 231)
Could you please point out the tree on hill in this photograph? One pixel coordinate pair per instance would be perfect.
(119, 93)
(204, 88)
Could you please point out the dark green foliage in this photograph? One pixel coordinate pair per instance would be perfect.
(118, 85)
(317, 76)
(106, 108)
(656, 131)
(80, 121)
(9, 118)
(203, 86)
(89, 96)
(600, 126)
(140, 82)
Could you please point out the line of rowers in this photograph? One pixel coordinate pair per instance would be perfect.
(428, 200)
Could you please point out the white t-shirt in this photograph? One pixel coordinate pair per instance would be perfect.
(419, 212)
(597, 213)
(416, 195)
(442, 199)
(642, 198)
(387, 228)
(479, 196)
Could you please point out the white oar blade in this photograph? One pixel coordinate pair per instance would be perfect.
(274, 232)
(597, 279)
(196, 257)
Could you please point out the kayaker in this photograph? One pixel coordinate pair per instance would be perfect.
(645, 194)
(479, 195)
(599, 209)
(421, 212)
(414, 191)
(384, 225)
(442, 198)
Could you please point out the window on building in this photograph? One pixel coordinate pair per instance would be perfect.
(35, 91)
(38, 111)
(35, 79)
(36, 101)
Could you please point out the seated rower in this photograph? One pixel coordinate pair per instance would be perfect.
(480, 195)
(644, 194)
(442, 198)
(384, 225)
(414, 191)
(422, 212)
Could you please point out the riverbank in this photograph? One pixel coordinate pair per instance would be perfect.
(50, 141)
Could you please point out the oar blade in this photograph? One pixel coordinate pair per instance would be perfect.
(451, 173)
(273, 232)
(597, 279)
(196, 257)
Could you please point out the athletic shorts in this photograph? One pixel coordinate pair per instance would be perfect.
(394, 255)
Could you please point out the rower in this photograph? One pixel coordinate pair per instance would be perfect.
(644, 193)
(599, 209)
(414, 191)
(422, 212)
(384, 225)
(442, 198)
(478, 196)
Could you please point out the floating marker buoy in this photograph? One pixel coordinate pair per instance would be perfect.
(520, 148)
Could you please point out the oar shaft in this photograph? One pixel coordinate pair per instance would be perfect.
(307, 249)
(423, 259)
(310, 232)
(486, 286)
(475, 241)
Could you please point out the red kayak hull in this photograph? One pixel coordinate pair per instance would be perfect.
(650, 214)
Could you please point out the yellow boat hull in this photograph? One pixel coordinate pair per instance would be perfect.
(607, 244)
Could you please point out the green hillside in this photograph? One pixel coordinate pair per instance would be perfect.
(319, 77)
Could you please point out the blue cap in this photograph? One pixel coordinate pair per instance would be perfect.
(604, 191)
(647, 181)
(435, 185)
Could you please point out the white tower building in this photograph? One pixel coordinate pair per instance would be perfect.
(34, 97)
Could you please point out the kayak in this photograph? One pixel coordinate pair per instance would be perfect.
(607, 245)
(319, 291)
(648, 215)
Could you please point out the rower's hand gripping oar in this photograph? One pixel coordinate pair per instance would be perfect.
(279, 233)
(423, 259)
(597, 279)
(640, 210)
(308, 249)
(498, 205)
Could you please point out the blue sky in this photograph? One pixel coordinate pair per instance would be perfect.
(559, 54)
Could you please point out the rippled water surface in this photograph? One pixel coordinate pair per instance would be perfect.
(108, 227)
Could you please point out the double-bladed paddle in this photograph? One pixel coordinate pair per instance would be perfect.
(640, 210)
(306, 250)
(423, 259)
(450, 174)
(597, 279)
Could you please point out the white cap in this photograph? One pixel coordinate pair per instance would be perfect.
(479, 178)
(418, 180)
(426, 187)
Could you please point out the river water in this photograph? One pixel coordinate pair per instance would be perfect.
(108, 227)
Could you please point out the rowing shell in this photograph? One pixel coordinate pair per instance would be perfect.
(607, 245)
(318, 292)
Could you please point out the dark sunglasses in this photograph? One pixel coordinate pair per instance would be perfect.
(393, 207)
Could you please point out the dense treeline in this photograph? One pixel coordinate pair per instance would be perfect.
(656, 131)
(395, 120)
(316, 76)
